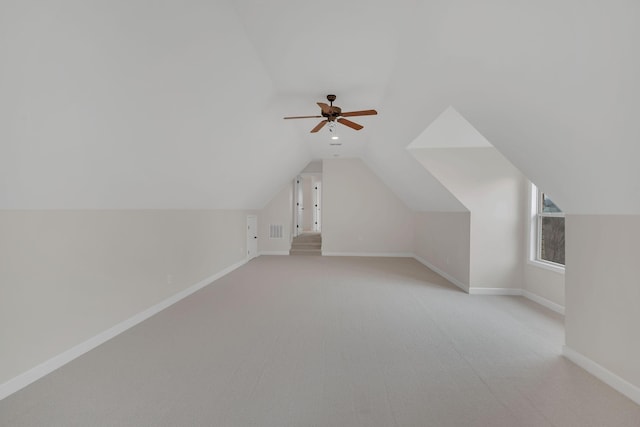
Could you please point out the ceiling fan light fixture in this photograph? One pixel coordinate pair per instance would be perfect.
(333, 131)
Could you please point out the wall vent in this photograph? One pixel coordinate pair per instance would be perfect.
(275, 231)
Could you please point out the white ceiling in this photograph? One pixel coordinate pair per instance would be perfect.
(179, 104)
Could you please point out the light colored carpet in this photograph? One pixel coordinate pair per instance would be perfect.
(322, 341)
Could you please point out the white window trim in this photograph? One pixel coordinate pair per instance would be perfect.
(534, 225)
(557, 268)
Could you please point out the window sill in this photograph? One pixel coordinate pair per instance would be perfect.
(546, 266)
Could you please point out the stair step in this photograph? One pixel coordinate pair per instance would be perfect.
(306, 244)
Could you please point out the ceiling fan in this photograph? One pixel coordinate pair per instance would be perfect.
(334, 114)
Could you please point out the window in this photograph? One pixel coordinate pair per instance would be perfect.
(547, 230)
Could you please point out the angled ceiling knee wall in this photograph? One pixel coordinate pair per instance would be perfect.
(489, 186)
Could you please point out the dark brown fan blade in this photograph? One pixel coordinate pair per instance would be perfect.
(360, 113)
(319, 126)
(303, 117)
(349, 123)
(324, 107)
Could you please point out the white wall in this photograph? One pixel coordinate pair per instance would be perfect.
(442, 240)
(278, 211)
(492, 189)
(66, 276)
(603, 291)
(544, 283)
(360, 214)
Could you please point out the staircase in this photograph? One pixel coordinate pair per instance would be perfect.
(307, 244)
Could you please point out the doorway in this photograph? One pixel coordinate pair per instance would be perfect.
(307, 204)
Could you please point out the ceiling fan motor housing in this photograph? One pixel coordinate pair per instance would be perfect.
(333, 114)
(335, 111)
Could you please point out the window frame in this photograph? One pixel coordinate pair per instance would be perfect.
(535, 237)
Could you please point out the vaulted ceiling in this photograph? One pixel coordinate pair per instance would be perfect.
(179, 104)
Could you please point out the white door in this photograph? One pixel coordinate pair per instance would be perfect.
(316, 206)
(252, 236)
(299, 207)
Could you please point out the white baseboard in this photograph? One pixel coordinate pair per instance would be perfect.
(495, 291)
(603, 374)
(273, 253)
(519, 292)
(34, 374)
(371, 254)
(544, 302)
(444, 274)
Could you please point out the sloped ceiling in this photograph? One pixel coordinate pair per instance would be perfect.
(179, 104)
(137, 104)
(552, 85)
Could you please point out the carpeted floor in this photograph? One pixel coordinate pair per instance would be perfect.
(324, 341)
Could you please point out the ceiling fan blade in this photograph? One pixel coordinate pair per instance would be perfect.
(319, 126)
(303, 117)
(349, 123)
(359, 113)
(324, 107)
